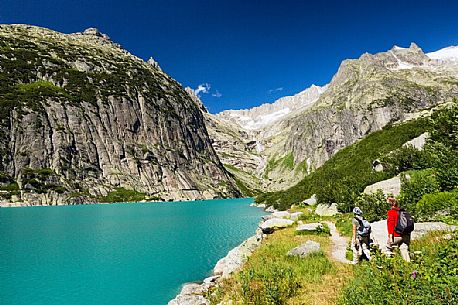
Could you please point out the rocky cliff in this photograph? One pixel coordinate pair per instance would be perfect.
(83, 119)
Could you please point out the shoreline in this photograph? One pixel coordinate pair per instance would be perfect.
(9, 204)
(193, 293)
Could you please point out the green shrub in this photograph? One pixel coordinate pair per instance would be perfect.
(445, 160)
(274, 284)
(431, 278)
(13, 186)
(445, 125)
(121, 194)
(415, 184)
(42, 180)
(403, 159)
(374, 206)
(430, 204)
(444, 145)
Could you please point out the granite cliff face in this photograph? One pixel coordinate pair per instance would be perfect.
(82, 118)
(365, 95)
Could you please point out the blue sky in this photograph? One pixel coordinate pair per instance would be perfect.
(249, 52)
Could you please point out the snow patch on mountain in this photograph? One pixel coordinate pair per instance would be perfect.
(269, 113)
(449, 53)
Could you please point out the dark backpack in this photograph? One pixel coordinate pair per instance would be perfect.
(364, 228)
(405, 224)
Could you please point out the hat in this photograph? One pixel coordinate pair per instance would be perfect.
(357, 211)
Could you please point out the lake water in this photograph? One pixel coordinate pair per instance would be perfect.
(118, 253)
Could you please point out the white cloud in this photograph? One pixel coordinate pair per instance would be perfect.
(275, 90)
(202, 88)
(217, 94)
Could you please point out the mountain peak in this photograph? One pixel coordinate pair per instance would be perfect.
(154, 63)
(413, 45)
(95, 32)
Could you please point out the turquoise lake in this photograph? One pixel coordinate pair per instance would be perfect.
(118, 253)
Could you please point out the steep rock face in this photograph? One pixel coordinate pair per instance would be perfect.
(95, 117)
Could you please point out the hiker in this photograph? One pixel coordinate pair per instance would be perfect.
(361, 236)
(398, 234)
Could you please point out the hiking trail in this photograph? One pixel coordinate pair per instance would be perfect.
(339, 244)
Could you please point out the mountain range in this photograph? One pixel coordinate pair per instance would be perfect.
(83, 120)
(297, 134)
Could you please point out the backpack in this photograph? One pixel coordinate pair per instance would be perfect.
(405, 224)
(364, 228)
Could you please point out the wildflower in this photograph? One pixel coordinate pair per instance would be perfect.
(414, 274)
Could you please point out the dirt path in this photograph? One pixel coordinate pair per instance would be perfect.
(339, 244)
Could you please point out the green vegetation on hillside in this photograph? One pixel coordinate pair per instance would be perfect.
(121, 194)
(245, 182)
(285, 162)
(41, 180)
(343, 177)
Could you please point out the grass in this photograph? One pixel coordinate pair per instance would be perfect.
(239, 177)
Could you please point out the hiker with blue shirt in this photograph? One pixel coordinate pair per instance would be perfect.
(361, 236)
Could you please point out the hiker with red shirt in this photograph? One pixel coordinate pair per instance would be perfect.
(395, 239)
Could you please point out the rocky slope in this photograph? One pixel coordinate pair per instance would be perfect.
(365, 95)
(83, 118)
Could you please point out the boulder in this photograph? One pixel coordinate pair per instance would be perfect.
(191, 294)
(310, 201)
(309, 227)
(389, 186)
(305, 249)
(237, 256)
(267, 217)
(326, 210)
(281, 214)
(261, 205)
(296, 215)
(271, 225)
(377, 165)
(270, 209)
(418, 142)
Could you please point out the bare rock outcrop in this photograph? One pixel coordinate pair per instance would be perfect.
(82, 117)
